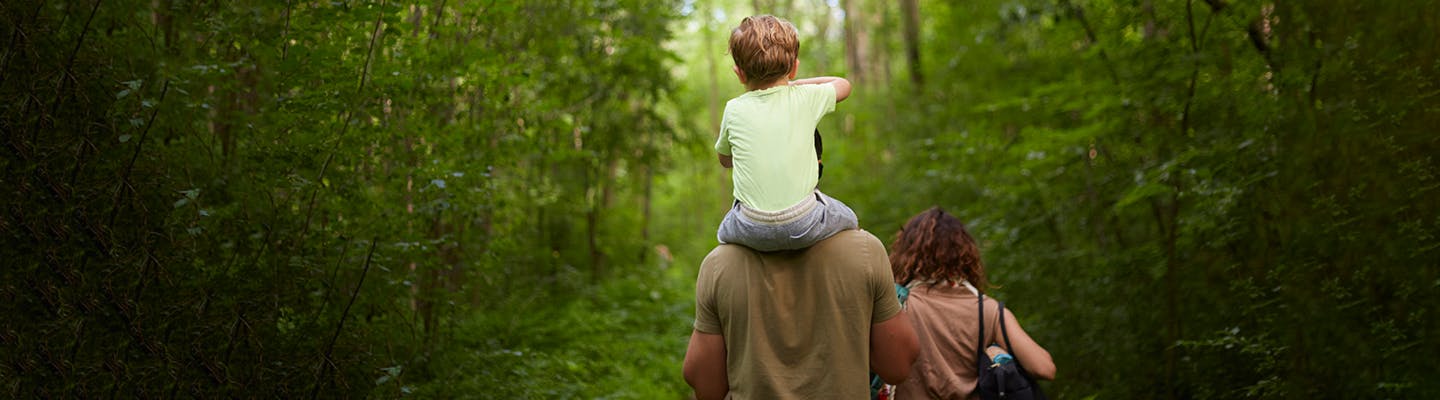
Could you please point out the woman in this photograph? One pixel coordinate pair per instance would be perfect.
(937, 259)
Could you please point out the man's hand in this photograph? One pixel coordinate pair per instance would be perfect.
(727, 161)
(704, 367)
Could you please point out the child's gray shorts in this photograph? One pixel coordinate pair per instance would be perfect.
(800, 226)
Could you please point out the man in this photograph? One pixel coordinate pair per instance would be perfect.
(805, 324)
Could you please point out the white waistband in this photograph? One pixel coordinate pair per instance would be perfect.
(804, 207)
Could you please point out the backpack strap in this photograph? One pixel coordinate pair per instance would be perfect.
(1014, 356)
(1006, 335)
(980, 352)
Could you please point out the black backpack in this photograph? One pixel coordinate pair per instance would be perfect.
(1002, 381)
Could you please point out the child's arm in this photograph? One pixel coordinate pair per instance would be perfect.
(725, 161)
(842, 86)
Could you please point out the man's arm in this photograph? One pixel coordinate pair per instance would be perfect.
(842, 86)
(893, 348)
(727, 161)
(704, 367)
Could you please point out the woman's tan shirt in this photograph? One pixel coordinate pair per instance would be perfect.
(945, 319)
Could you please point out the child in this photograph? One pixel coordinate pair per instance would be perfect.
(765, 136)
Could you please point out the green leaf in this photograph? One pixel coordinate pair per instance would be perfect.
(1139, 193)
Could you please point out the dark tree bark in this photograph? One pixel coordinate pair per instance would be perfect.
(910, 13)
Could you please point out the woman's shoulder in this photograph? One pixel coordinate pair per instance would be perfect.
(952, 296)
(993, 304)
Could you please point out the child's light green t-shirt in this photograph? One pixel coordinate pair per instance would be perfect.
(770, 135)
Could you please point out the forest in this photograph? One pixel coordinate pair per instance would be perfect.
(1182, 199)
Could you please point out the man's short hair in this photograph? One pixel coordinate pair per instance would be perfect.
(764, 47)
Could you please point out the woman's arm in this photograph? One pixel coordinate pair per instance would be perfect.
(1034, 358)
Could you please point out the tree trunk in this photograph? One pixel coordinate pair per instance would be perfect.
(714, 70)
(878, 46)
(649, 177)
(592, 227)
(910, 13)
(165, 22)
(820, 54)
(855, 41)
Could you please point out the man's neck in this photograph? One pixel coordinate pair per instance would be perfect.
(778, 82)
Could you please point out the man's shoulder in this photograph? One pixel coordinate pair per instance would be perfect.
(730, 253)
(848, 245)
(851, 239)
(854, 246)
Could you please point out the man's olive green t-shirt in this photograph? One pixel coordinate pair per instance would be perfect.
(771, 135)
(797, 324)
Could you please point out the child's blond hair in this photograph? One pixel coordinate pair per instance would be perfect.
(764, 47)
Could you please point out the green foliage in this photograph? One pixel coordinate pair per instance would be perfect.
(288, 199)
(1200, 199)
(1177, 195)
(617, 340)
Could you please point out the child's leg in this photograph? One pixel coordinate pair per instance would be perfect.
(737, 229)
(825, 217)
(770, 230)
(730, 229)
(831, 217)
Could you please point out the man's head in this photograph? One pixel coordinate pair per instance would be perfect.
(765, 50)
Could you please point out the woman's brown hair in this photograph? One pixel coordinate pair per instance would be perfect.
(934, 246)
